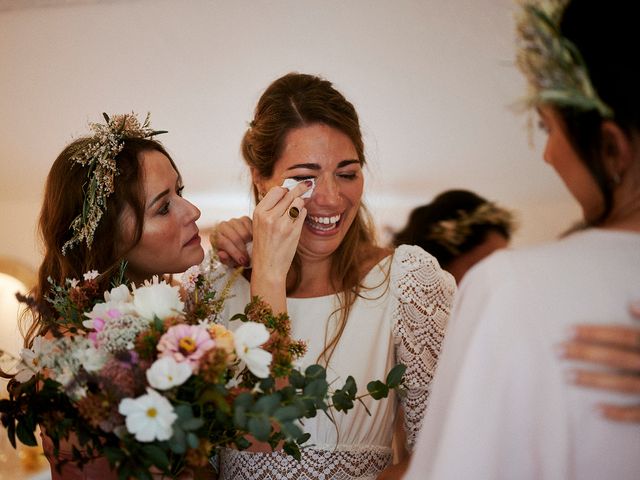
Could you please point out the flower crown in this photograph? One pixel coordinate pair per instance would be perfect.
(99, 157)
(552, 64)
(453, 232)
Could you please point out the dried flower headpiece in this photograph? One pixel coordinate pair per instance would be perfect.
(453, 232)
(553, 65)
(99, 158)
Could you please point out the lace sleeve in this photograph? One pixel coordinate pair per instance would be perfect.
(423, 293)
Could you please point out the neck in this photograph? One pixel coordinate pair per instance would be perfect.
(625, 214)
(314, 277)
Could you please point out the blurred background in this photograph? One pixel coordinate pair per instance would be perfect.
(434, 83)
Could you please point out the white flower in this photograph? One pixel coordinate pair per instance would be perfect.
(119, 294)
(117, 302)
(91, 358)
(190, 277)
(90, 275)
(149, 417)
(64, 375)
(157, 300)
(31, 363)
(247, 340)
(166, 373)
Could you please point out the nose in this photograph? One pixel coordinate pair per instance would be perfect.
(192, 212)
(326, 192)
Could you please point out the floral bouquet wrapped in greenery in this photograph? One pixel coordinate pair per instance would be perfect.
(149, 378)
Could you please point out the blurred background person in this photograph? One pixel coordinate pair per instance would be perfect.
(459, 228)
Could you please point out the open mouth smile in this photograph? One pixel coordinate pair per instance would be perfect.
(323, 223)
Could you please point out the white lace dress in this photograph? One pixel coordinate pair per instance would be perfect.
(401, 318)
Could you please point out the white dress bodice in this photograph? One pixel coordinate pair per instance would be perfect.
(400, 317)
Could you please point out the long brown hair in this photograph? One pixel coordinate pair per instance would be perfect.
(63, 201)
(293, 101)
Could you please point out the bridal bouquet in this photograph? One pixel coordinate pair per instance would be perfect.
(149, 378)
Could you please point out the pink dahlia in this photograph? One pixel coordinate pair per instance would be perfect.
(186, 343)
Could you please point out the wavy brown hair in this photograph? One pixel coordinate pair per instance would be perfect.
(298, 100)
(63, 201)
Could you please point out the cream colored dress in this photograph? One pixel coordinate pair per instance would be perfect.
(503, 406)
(400, 318)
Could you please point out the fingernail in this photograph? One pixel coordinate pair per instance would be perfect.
(243, 261)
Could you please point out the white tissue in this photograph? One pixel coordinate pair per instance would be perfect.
(289, 183)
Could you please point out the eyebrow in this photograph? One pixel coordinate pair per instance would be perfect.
(166, 192)
(315, 166)
(158, 197)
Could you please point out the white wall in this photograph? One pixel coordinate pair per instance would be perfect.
(433, 82)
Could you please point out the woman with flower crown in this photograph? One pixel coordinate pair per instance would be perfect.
(459, 228)
(504, 406)
(110, 197)
(362, 308)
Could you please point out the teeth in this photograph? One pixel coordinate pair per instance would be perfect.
(325, 220)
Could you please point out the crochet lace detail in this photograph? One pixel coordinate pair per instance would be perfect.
(316, 464)
(424, 294)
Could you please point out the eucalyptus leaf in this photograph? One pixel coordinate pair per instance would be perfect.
(377, 389)
(394, 377)
(260, 427)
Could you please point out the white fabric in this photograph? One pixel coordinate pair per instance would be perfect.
(400, 318)
(502, 406)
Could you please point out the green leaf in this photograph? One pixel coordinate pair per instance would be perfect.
(377, 389)
(192, 440)
(314, 372)
(240, 417)
(25, 433)
(192, 424)
(157, 455)
(113, 454)
(243, 400)
(288, 413)
(260, 427)
(267, 384)
(317, 388)
(394, 377)
(291, 448)
(291, 430)
(303, 438)
(178, 441)
(267, 404)
(296, 379)
(350, 387)
(242, 443)
(239, 316)
(342, 401)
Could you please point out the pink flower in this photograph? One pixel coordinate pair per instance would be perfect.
(186, 343)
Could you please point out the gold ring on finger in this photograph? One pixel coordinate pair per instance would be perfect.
(294, 212)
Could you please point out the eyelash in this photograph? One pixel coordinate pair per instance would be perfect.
(345, 176)
(164, 210)
(543, 126)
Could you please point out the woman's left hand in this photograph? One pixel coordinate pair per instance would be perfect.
(612, 346)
